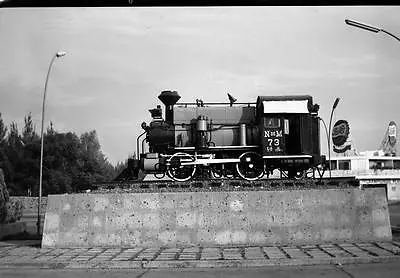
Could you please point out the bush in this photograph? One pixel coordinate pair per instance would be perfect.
(4, 197)
(3, 211)
(14, 211)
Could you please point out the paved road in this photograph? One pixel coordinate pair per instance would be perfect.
(378, 270)
(15, 255)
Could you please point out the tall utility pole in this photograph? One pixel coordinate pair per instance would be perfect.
(329, 140)
(57, 55)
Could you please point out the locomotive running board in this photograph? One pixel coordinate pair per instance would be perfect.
(219, 147)
(287, 156)
(211, 161)
(236, 160)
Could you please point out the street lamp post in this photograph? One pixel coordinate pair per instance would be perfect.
(329, 136)
(57, 55)
(326, 131)
(369, 28)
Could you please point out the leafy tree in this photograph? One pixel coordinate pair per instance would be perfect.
(29, 133)
(71, 163)
(3, 131)
(14, 138)
(95, 164)
(4, 161)
(50, 129)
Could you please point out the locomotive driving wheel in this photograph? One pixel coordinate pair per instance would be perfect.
(251, 166)
(179, 172)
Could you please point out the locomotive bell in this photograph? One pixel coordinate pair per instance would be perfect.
(156, 113)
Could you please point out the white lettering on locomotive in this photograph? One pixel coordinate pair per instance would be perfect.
(274, 142)
(276, 133)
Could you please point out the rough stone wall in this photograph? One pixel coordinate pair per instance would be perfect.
(14, 211)
(30, 203)
(3, 197)
(217, 218)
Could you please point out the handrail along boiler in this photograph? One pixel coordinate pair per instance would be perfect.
(222, 140)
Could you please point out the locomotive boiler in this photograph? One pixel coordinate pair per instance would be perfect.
(226, 140)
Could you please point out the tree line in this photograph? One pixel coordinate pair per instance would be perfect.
(71, 163)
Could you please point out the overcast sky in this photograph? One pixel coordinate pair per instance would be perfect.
(118, 61)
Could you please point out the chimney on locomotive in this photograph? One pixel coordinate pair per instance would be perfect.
(169, 98)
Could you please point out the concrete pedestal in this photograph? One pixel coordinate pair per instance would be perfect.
(217, 218)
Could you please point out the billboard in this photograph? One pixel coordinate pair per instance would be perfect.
(388, 145)
(340, 136)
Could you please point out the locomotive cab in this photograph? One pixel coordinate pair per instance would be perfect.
(289, 130)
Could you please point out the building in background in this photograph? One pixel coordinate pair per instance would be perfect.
(378, 168)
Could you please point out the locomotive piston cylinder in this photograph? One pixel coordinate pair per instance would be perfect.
(151, 162)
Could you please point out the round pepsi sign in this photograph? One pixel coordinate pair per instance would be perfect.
(340, 132)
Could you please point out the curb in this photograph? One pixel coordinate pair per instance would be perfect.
(197, 263)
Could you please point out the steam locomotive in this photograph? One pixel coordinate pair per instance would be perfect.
(227, 140)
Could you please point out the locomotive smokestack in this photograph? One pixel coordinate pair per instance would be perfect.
(169, 98)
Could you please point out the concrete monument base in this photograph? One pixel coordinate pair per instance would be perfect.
(217, 218)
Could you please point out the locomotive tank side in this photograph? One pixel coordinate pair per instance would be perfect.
(221, 124)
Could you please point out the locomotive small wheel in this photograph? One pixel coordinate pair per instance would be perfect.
(251, 166)
(179, 172)
(299, 175)
(159, 175)
(217, 171)
(310, 173)
(229, 170)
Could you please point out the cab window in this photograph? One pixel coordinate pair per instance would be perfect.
(272, 122)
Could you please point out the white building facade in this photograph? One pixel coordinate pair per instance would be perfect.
(371, 171)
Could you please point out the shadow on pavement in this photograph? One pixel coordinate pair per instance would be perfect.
(23, 239)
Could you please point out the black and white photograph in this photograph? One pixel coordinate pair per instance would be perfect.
(199, 141)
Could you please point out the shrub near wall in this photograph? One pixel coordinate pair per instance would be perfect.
(10, 210)
(14, 211)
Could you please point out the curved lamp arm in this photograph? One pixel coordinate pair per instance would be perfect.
(335, 104)
(369, 28)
